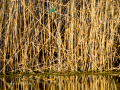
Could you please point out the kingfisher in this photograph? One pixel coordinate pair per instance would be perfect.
(52, 9)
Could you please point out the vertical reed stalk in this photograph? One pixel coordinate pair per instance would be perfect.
(71, 32)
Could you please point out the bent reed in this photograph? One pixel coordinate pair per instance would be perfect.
(81, 35)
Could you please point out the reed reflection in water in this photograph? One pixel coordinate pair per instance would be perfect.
(53, 82)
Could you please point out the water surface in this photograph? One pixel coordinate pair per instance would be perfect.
(56, 82)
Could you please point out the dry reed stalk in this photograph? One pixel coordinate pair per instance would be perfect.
(67, 34)
(44, 29)
(75, 36)
(71, 31)
(24, 35)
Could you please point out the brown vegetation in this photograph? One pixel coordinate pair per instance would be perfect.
(81, 35)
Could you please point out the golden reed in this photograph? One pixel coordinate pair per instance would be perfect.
(81, 35)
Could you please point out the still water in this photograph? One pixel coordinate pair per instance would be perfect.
(56, 82)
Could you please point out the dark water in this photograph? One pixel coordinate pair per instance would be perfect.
(55, 82)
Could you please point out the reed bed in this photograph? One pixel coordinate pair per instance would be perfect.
(50, 82)
(81, 35)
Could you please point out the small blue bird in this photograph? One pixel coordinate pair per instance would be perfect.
(52, 9)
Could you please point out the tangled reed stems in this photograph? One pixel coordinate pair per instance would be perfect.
(81, 35)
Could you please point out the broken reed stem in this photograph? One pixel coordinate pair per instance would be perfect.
(75, 37)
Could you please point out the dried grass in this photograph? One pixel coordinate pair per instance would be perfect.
(81, 35)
